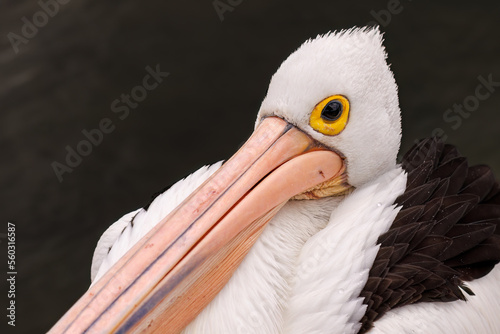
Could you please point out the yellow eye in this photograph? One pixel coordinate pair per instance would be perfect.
(330, 115)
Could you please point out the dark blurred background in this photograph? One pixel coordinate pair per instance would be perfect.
(61, 78)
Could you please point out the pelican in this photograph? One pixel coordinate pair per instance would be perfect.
(312, 226)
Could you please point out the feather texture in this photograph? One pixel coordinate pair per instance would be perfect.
(445, 234)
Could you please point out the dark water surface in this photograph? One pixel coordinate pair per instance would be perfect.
(65, 76)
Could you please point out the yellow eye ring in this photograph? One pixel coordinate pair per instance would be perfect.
(330, 116)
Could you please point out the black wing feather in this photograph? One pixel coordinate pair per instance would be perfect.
(447, 232)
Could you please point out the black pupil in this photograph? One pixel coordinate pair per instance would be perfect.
(332, 111)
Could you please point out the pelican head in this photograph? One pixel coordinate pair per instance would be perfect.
(330, 120)
(352, 64)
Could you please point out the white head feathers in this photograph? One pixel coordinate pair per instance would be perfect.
(351, 63)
